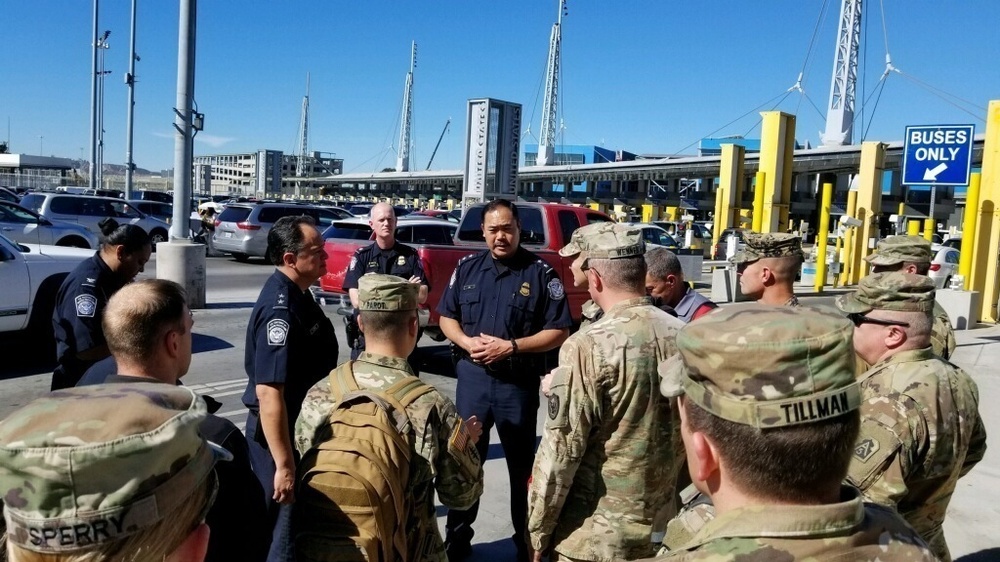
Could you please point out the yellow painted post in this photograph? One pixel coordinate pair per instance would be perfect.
(647, 212)
(969, 230)
(777, 142)
(720, 195)
(821, 234)
(929, 229)
(840, 262)
(852, 206)
(869, 206)
(987, 244)
(900, 214)
(758, 202)
(913, 228)
(671, 214)
(731, 185)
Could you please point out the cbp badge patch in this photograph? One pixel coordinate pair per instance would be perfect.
(86, 306)
(553, 406)
(354, 263)
(525, 289)
(401, 260)
(556, 290)
(865, 449)
(277, 332)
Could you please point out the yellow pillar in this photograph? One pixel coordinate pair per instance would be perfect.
(852, 205)
(777, 143)
(987, 244)
(720, 195)
(969, 229)
(837, 258)
(822, 233)
(594, 205)
(671, 214)
(869, 205)
(900, 216)
(929, 229)
(730, 187)
(913, 228)
(758, 202)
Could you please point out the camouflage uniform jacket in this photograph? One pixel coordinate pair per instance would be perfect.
(591, 313)
(942, 334)
(848, 530)
(920, 431)
(458, 481)
(605, 470)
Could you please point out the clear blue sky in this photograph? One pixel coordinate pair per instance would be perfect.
(650, 76)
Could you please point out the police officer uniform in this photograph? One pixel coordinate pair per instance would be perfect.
(76, 320)
(511, 298)
(291, 342)
(399, 260)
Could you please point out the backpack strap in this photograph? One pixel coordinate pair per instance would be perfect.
(342, 381)
(401, 394)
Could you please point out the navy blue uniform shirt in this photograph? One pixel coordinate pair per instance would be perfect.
(511, 298)
(400, 260)
(290, 341)
(76, 320)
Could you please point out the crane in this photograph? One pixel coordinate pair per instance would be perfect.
(546, 144)
(443, 131)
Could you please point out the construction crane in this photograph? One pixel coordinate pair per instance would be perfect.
(403, 158)
(840, 112)
(547, 142)
(443, 131)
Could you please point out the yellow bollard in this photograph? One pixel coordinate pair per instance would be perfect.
(758, 201)
(839, 261)
(852, 207)
(821, 234)
(913, 228)
(969, 230)
(929, 229)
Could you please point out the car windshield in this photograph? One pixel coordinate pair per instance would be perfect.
(13, 213)
(33, 201)
(348, 231)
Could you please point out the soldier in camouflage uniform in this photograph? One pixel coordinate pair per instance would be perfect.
(921, 428)
(109, 472)
(767, 267)
(777, 379)
(574, 249)
(604, 472)
(446, 459)
(912, 254)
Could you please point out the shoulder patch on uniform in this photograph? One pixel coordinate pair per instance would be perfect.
(354, 262)
(556, 290)
(86, 306)
(865, 449)
(553, 406)
(277, 332)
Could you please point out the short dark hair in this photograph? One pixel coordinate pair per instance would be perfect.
(661, 262)
(131, 237)
(286, 236)
(781, 463)
(498, 204)
(386, 324)
(140, 313)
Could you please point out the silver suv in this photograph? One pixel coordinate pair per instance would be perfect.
(88, 211)
(241, 229)
(27, 227)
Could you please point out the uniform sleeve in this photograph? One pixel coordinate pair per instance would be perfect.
(458, 469)
(448, 305)
(942, 334)
(354, 270)
(554, 304)
(272, 334)
(81, 311)
(571, 412)
(893, 434)
(314, 417)
(977, 445)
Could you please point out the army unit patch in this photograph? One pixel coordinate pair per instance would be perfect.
(553, 406)
(86, 306)
(866, 449)
(277, 332)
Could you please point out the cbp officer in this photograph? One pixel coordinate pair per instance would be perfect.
(502, 310)
(290, 346)
(84, 294)
(386, 256)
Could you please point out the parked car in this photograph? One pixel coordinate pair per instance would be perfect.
(89, 210)
(241, 229)
(160, 210)
(149, 195)
(9, 195)
(943, 266)
(437, 214)
(420, 230)
(701, 237)
(719, 252)
(28, 227)
(656, 235)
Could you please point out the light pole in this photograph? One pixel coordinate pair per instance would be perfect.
(130, 81)
(103, 45)
(41, 151)
(93, 104)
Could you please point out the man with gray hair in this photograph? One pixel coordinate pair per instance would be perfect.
(665, 283)
(921, 430)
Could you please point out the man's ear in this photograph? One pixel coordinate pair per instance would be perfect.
(895, 336)
(361, 324)
(288, 259)
(706, 457)
(194, 548)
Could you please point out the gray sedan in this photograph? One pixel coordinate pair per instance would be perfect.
(28, 227)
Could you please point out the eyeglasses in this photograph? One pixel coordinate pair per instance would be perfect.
(858, 319)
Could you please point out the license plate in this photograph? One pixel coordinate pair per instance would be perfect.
(227, 234)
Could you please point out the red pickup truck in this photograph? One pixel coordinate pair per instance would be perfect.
(545, 228)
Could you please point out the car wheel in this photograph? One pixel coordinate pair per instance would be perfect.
(73, 242)
(242, 258)
(157, 236)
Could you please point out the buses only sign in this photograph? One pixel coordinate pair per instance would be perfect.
(938, 154)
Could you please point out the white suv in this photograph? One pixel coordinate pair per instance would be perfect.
(89, 210)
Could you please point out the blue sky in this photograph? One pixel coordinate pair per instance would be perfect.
(640, 75)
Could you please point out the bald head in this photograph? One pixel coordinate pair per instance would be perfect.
(382, 219)
(139, 315)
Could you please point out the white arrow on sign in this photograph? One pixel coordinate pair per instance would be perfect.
(932, 173)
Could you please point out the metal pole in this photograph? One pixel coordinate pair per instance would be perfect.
(130, 80)
(93, 104)
(100, 127)
(822, 233)
(180, 225)
(930, 212)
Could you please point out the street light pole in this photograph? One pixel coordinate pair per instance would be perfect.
(103, 45)
(130, 80)
(93, 104)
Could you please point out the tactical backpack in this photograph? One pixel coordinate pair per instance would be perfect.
(353, 501)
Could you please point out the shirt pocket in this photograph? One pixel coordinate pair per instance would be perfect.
(522, 313)
(469, 302)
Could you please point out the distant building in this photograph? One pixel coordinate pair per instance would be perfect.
(570, 154)
(35, 172)
(265, 173)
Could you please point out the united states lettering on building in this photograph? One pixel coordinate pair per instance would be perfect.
(815, 408)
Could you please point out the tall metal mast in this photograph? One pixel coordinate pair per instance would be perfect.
(546, 144)
(403, 157)
(840, 112)
(300, 163)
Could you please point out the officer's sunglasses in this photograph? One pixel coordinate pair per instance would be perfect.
(858, 319)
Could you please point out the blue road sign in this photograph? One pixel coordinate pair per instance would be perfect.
(938, 154)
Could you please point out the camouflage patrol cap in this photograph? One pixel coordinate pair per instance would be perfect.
(892, 290)
(386, 293)
(765, 366)
(95, 464)
(619, 241)
(578, 241)
(768, 245)
(901, 249)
